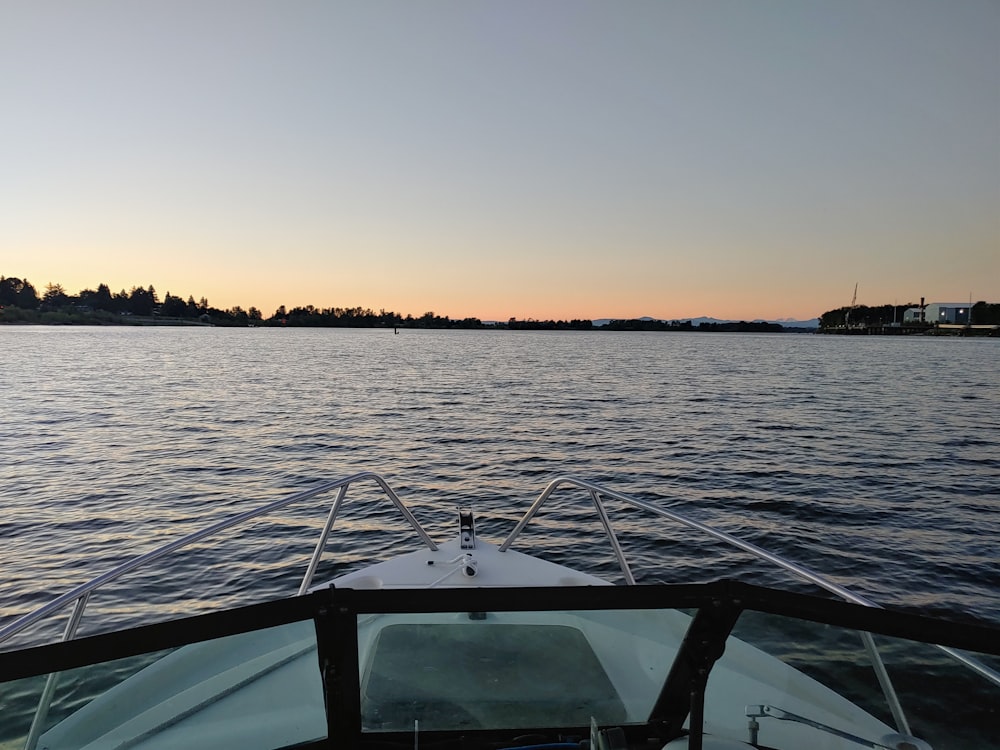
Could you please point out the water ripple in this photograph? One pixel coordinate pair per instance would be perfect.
(876, 461)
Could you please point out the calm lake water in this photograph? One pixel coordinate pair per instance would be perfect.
(873, 460)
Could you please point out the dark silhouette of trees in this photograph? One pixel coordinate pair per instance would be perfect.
(358, 317)
(102, 298)
(18, 293)
(101, 306)
(549, 325)
(142, 301)
(742, 326)
(985, 313)
(173, 307)
(864, 316)
(97, 300)
(142, 305)
(55, 297)
(648, 324)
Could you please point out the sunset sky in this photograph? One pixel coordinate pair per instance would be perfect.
(551, 159)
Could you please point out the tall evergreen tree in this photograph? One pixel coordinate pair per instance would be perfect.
(18, 293)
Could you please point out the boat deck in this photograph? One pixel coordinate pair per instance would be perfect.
(482, 674)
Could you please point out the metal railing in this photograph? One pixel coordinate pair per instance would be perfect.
(80, 595)
(597, 492)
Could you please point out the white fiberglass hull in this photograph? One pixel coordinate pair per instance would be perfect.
(199, 695)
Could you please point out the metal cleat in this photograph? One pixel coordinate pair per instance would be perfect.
(467, 529)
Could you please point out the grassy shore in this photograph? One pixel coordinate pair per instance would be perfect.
(19, 316)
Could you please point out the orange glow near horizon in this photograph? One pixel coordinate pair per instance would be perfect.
(570, 159)
(489, 296)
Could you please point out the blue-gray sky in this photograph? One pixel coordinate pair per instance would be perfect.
(533, 159)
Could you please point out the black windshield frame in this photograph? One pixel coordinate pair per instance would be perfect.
(335, 613)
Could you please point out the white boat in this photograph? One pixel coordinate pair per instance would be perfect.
(469, 644)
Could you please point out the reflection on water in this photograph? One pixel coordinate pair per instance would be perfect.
(874, 460)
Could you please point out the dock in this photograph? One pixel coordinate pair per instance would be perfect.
(941, 329)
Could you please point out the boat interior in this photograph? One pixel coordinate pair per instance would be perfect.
(453, 658)
(447, 668)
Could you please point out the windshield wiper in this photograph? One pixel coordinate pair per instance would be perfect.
(889, 742)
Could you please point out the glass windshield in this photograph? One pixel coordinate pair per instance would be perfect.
(364, 667)
(260, 689)
(488, 670)
(790, 683)
(783, 682)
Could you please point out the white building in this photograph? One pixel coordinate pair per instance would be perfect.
(947, 312)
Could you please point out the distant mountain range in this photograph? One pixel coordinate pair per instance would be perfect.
(786, 322)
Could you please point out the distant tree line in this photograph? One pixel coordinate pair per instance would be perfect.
(986, 313)
(548, 325)
(361, 317)
(743, 326)
(983, 313)
(863, 315)
(22, 303)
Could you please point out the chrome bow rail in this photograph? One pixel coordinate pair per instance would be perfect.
(597, 492)
(80, 595)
